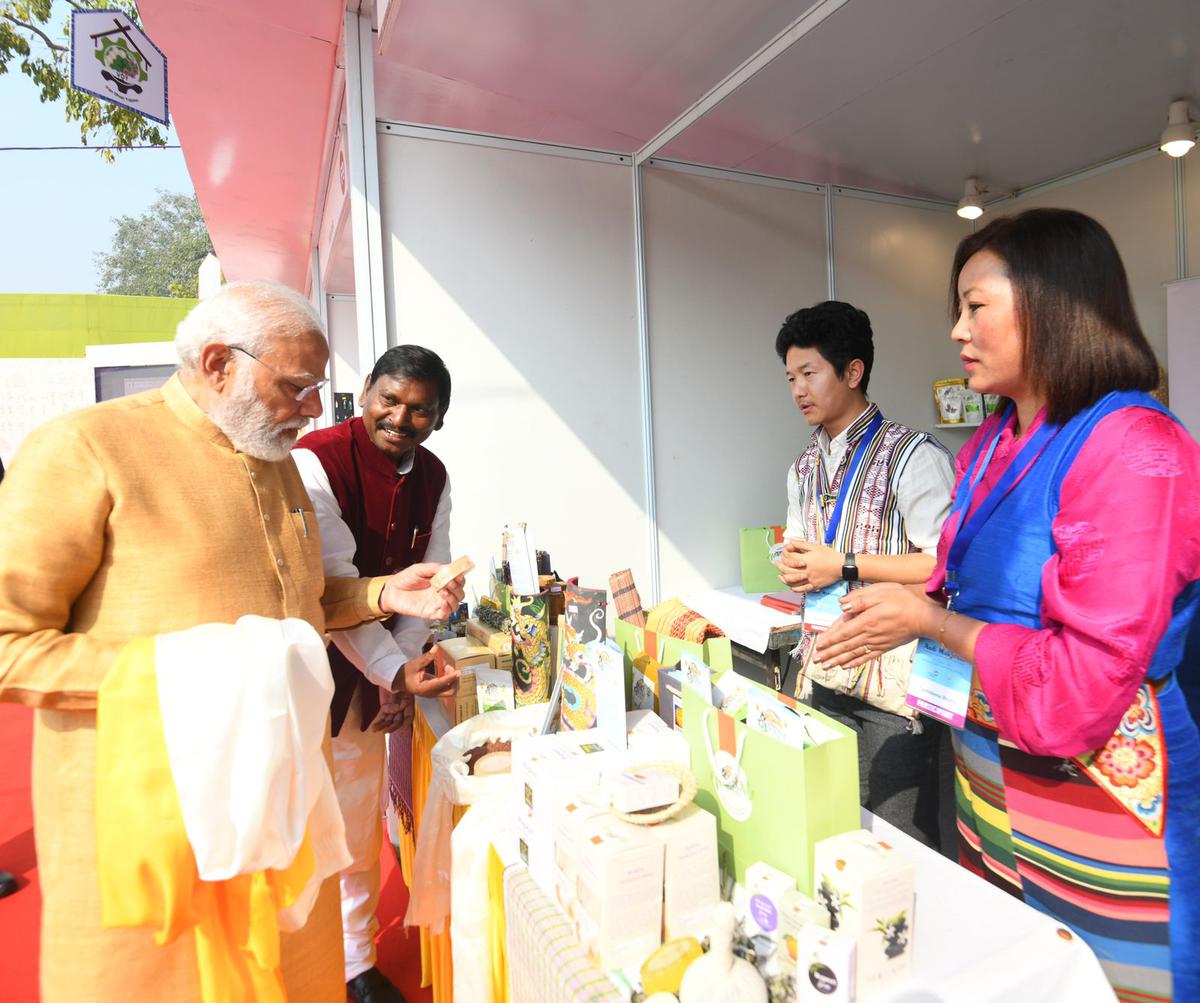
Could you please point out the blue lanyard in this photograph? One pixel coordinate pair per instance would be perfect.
(835, 520)
(969, 525)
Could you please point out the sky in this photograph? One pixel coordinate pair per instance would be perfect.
(57, 206)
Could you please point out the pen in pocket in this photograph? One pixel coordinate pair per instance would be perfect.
(303, 520)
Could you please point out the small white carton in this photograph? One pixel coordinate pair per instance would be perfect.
(549, 770)
(868, 889)
(569, 822)
(825, 966)
(619, 889)
(691, 872)
(766, 889)
(797, 911)
(535, 848)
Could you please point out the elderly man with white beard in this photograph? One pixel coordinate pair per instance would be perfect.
(152, 514)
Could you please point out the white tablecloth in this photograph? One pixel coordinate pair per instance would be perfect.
(974, 943)
(741, 615)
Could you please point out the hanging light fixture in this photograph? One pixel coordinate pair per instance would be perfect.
(1180, 134)
(970, 206)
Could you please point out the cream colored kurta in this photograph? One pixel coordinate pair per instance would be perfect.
(132, 518)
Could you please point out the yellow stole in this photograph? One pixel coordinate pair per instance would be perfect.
(147, 872)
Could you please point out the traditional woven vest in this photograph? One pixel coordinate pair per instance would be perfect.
(871, 524)
(390, 516)
(871, 519)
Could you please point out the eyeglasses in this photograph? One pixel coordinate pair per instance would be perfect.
(301, 393)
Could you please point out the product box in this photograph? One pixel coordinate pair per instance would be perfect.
(796, 912)
(619, 891)
(461, 653)
(867, 888)
(766, 890)
(550, 770)
(499, 643)
(569, 822)
(650, 739)
(825, 966)
(691, 872)
(535, 848)
(462, 704)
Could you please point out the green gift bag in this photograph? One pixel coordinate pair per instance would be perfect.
(758, 573)
(773, 802)
(633, 641)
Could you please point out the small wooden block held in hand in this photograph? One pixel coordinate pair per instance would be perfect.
(460, 566)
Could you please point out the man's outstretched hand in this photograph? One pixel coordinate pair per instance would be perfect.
(410, 593)
(418, 678)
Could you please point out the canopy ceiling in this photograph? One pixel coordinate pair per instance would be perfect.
(905, 98)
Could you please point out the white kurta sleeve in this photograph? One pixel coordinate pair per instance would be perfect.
(370, 647)
(410, 632)
(923, 495)
(795, 510)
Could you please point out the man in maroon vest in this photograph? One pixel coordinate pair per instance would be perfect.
(382, 502)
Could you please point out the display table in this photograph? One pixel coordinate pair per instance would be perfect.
(973, 944)
(746, 621)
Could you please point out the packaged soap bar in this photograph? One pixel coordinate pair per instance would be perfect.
(796, 912)
(499, 643)
(766, 890)
(825, 966)
(867, 887)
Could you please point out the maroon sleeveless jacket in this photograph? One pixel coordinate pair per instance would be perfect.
(390, 516)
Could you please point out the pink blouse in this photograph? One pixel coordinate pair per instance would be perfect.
(1128, 540)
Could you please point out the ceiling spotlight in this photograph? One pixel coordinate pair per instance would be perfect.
(1180, 134)
(970, 206)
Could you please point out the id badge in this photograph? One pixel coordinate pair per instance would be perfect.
(821, 607)
(940, 685)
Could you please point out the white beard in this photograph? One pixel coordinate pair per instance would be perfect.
(247, 423)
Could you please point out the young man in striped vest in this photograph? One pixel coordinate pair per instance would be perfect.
(866, 503)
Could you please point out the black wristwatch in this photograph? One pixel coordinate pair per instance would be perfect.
(850, 567)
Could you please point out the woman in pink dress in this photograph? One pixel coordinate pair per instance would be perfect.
(1060, 622)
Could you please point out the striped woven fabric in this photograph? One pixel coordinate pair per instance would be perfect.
(626, 599)
(673, 619)
(1017, 811)
(545, 961)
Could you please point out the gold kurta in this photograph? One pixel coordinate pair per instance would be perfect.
(131, 518)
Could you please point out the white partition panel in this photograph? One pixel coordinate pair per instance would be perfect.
(893, 261)
(726, 262)
(1136, 204)
(343, 345)
(1191, 182)
(517, 269)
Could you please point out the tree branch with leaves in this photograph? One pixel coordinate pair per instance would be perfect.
(27, 41)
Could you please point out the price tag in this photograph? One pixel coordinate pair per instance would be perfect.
(940, 685)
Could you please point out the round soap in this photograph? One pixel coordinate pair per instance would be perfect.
(492, 763)
(663, 970)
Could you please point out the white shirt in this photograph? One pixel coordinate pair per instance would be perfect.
(378, 652)
(922, 491)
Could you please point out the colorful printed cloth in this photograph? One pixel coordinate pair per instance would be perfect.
(1078, 770)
